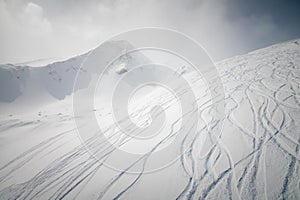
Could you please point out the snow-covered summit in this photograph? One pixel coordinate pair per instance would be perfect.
(56, 80)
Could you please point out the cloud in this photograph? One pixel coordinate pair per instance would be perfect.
(22, 32)
(41, 29)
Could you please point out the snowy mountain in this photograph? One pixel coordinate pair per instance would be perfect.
(56, 80)
(256, 156)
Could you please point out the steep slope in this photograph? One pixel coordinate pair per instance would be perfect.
(256, 155)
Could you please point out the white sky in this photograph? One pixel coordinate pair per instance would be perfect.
(32, 30)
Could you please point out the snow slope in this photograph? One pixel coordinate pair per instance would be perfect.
(256, 156)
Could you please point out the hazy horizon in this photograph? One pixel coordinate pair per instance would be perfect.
(34, 30)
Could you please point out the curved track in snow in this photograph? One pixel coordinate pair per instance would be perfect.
(256, 156)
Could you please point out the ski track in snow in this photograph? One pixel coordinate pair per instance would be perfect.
(262, 92)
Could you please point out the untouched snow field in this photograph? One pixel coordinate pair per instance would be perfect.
(256, 156)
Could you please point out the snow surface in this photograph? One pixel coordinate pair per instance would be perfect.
(256, 156)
